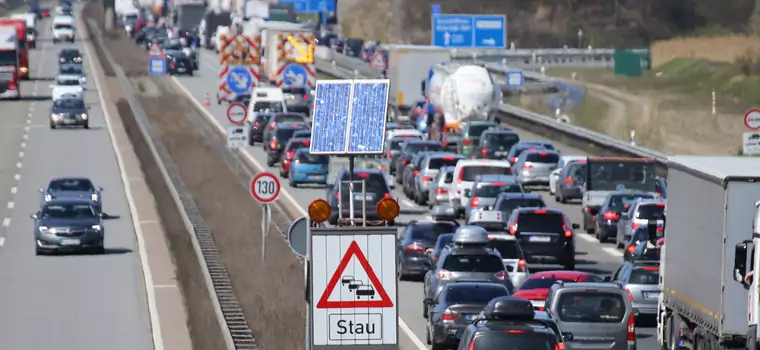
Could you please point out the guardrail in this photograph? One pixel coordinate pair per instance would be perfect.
(588, 140)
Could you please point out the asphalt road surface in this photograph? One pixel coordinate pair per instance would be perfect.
(72, 302)
(591, 255)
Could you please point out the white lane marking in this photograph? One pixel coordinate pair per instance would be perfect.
(148, 222)
(150, 289)
(14, 189)
(11, 205)
(29, 121)
(220, 129)
(612, 251)
(2, 241)
(26, 128)
(23, 145)
(409, 203)
(429, 217)
(587, 238)
(6, 222)
(18, 165)
(25, 136)
(17, 177)
(158, 286)
(21, 154)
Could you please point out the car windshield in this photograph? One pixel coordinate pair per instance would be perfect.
(473, 263)
(429, 231)
(591, 307)
(69, 103)
(542, 157)
(508, 249)
(516, 341)
(502, 139)
(8, 58)
(308, 158)
(67, 82)
(62, 26)
(543, 223)
(509, 205)
(621, 202)
(412, 149)
(68, 211)
(645, 275)
(437, 163)
(653, 211)
(480, 294)
(267, 106)
(493, 190)
(468, 173)
(617, 175)
(78, 185)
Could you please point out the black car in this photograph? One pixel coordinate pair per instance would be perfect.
(71, 68)
(509, 201)
(455, 307)
(68, 225)
(69, 56)
(179, 63)
(545, 235)
(282, 133)
(609, 214)
(174, 45)
(257, 127)
(409, 150)
(418, 238)
(339, 195)
(280, 118)
(297, 99)
(496, 143)
(69, 112)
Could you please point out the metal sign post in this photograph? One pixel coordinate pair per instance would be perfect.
(265, 188)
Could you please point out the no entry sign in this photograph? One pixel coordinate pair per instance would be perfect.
(236, 113)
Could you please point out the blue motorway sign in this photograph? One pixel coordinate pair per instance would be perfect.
(294, 74)
(239, 80)
(311, 5)
(515, 79)
(157, 65)
(435, 9)
(469, 31)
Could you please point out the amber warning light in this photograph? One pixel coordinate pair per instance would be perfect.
(319, 210)
(388, 209)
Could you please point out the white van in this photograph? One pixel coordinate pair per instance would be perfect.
(266, 99)
(217, 40)
(63, 29)
(464, 176)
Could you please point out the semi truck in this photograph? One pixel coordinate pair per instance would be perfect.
(712, 209)
(20, 26)
(189, 14)
(10, 84)
(407, 66)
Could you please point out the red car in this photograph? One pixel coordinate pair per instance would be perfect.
(45, 12)
(536, 287)
(290, 151)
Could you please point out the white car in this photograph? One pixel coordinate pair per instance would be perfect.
(554, 176)
(68, 86)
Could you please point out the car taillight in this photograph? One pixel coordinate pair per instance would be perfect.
(416, 172)
(441, 190)
(271, 125)
(631, 328)
(273, 144)
(337, 196)
(472, 344)
(427, 179)
(513, 229)
(449, 315)
(559, 346)
(389, 155)
(522, 265)
(383, 168)
(513, 159)
(474, 202)
(631, 248)
(404, 161)
(256, 124)
(414, 247)
(172, 64)
(466, 142)
(387, 195)
(527, 166)
(630, 296)
(484, 152)
(305, 97)
(634, 226)
(444, 274)
(611, 215)
(501, 275)
(568, 181)
(298, 162)
(290, 155)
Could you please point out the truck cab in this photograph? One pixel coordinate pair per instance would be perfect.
(9, 64)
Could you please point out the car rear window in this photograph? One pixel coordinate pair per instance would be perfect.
(542, 157)
(396, 143)
(262, 118)
(518, 341)
(284, 135)
(414, 148)
(509, 205)
(621, 202)
(375, 182)
(507, 249)
(654, 211)
(288, 118)
(493, 191)
(481, 294)
(308, 158)
(645, 275)
(501, 140)
(474, 131)
(540, 283)
(77, 185)
(591, 307)
(294, 90)
(431, 231)
(547, 223)
(470, 172)
(437, 163)
(473, 263)
(271, 106)
(448, 177)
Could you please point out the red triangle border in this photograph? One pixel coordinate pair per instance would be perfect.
(354, 250)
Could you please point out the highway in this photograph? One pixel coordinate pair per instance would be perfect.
(62, 302)
(591, 256)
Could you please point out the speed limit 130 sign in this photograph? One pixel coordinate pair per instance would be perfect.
(265, 187)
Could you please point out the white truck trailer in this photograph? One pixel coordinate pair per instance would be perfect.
(408, 65)
(711, 216)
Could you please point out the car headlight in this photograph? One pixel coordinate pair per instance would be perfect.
(62, 60)
(43, 228)
(83, 80)
(48, 198)
(94, 195)
(96, 227)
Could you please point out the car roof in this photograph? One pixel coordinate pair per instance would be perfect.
(61, 201)
(597, 286)
(548, 210)
(290, 125)
(502, 237)
(472, 162)
(560, 274)
(414, 141)
(652, 200)
(481, 122)
(70, 178)
(474, 285)
(489, 178)
(515, 195)
(499, 131)
(439, 154)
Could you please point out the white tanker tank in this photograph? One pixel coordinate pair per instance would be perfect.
(460, 92)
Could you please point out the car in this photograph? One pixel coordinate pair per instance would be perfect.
(639, 212)
(408, 150)
(69, 56)
(616, 203)
(439, 188)
(393, 149)
(536, 287)
(508, 202)
(570, 182)
(400, 131)
(546, 235)
(510, 323)
(339, 195)
(72, 69)
(599, 315)
(281, 118)
(639, 279)
(282, 133)
(467, 259)
(69, 112)
(179, 62)
(382, 164)
(486, 189)
(31, 37)
(308, 168)
(451, 140)
(512, 255)
(428, 172)
(68, 224)
(297, 99)
(68, 86)
(417, 239)
(288, 154)
(440, 244)
(471, 135)
(554, 177)
(496, 143)
(455, 307)
(533, 167)
(643, 242)
(398, 126)
(257, 124)
(72, 188)
(63, 28)
(465, 174)
(303, 134)
(410, 173)
(521, 147)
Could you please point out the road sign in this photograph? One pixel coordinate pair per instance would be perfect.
(239, 80)
(752, 119)
(311, 5)
(236, 113)
(349, 117)
(378, 60)
(297, 237)
(751, 143)
(156, 51)
(265, 187)
(435, 9)
(294, 74)
(515, 79)
(237, 137)
(469, 31)
(157, 66)
(353, 288)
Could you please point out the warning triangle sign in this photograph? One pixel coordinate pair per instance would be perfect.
(367, 296)
(155, 50)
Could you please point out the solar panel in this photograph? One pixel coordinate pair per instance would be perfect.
(369, 102)
(330, 118)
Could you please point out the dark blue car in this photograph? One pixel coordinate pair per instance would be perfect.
(68, 224)
(72, 188)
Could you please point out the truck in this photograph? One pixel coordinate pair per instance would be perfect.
(10, 58)
(457, 92)
(605, 175)
(209, 25)
(274, 69)
(20, 26)
(712, 220)
(407, 66)
(189, 14)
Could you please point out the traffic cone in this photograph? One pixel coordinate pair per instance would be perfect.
(206, 101)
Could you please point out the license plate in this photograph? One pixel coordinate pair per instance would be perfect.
(180, 69)
(317, 177)
(651, 295)
(500, 154)
(69, 121)
(68, 241)
(538, 303)
(540, 239)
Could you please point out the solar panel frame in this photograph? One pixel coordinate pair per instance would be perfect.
(330, 118)
(369, 105)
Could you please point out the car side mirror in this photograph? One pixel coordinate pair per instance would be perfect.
(42, 190)
(740, 262)
(100, 189)
(428, 301)
(576, 226)
(567, 336)
(102, 215)
(33, 216)
(607, 279)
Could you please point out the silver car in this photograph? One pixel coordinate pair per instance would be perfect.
(639, 213)
(381, 164)
(534, 167)
(554, 177)
(439, 193)
(639, 278)
(429, 167)
(486, 189)
(570, 181)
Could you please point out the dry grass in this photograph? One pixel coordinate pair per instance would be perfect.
(716, 49)
(368, 19)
